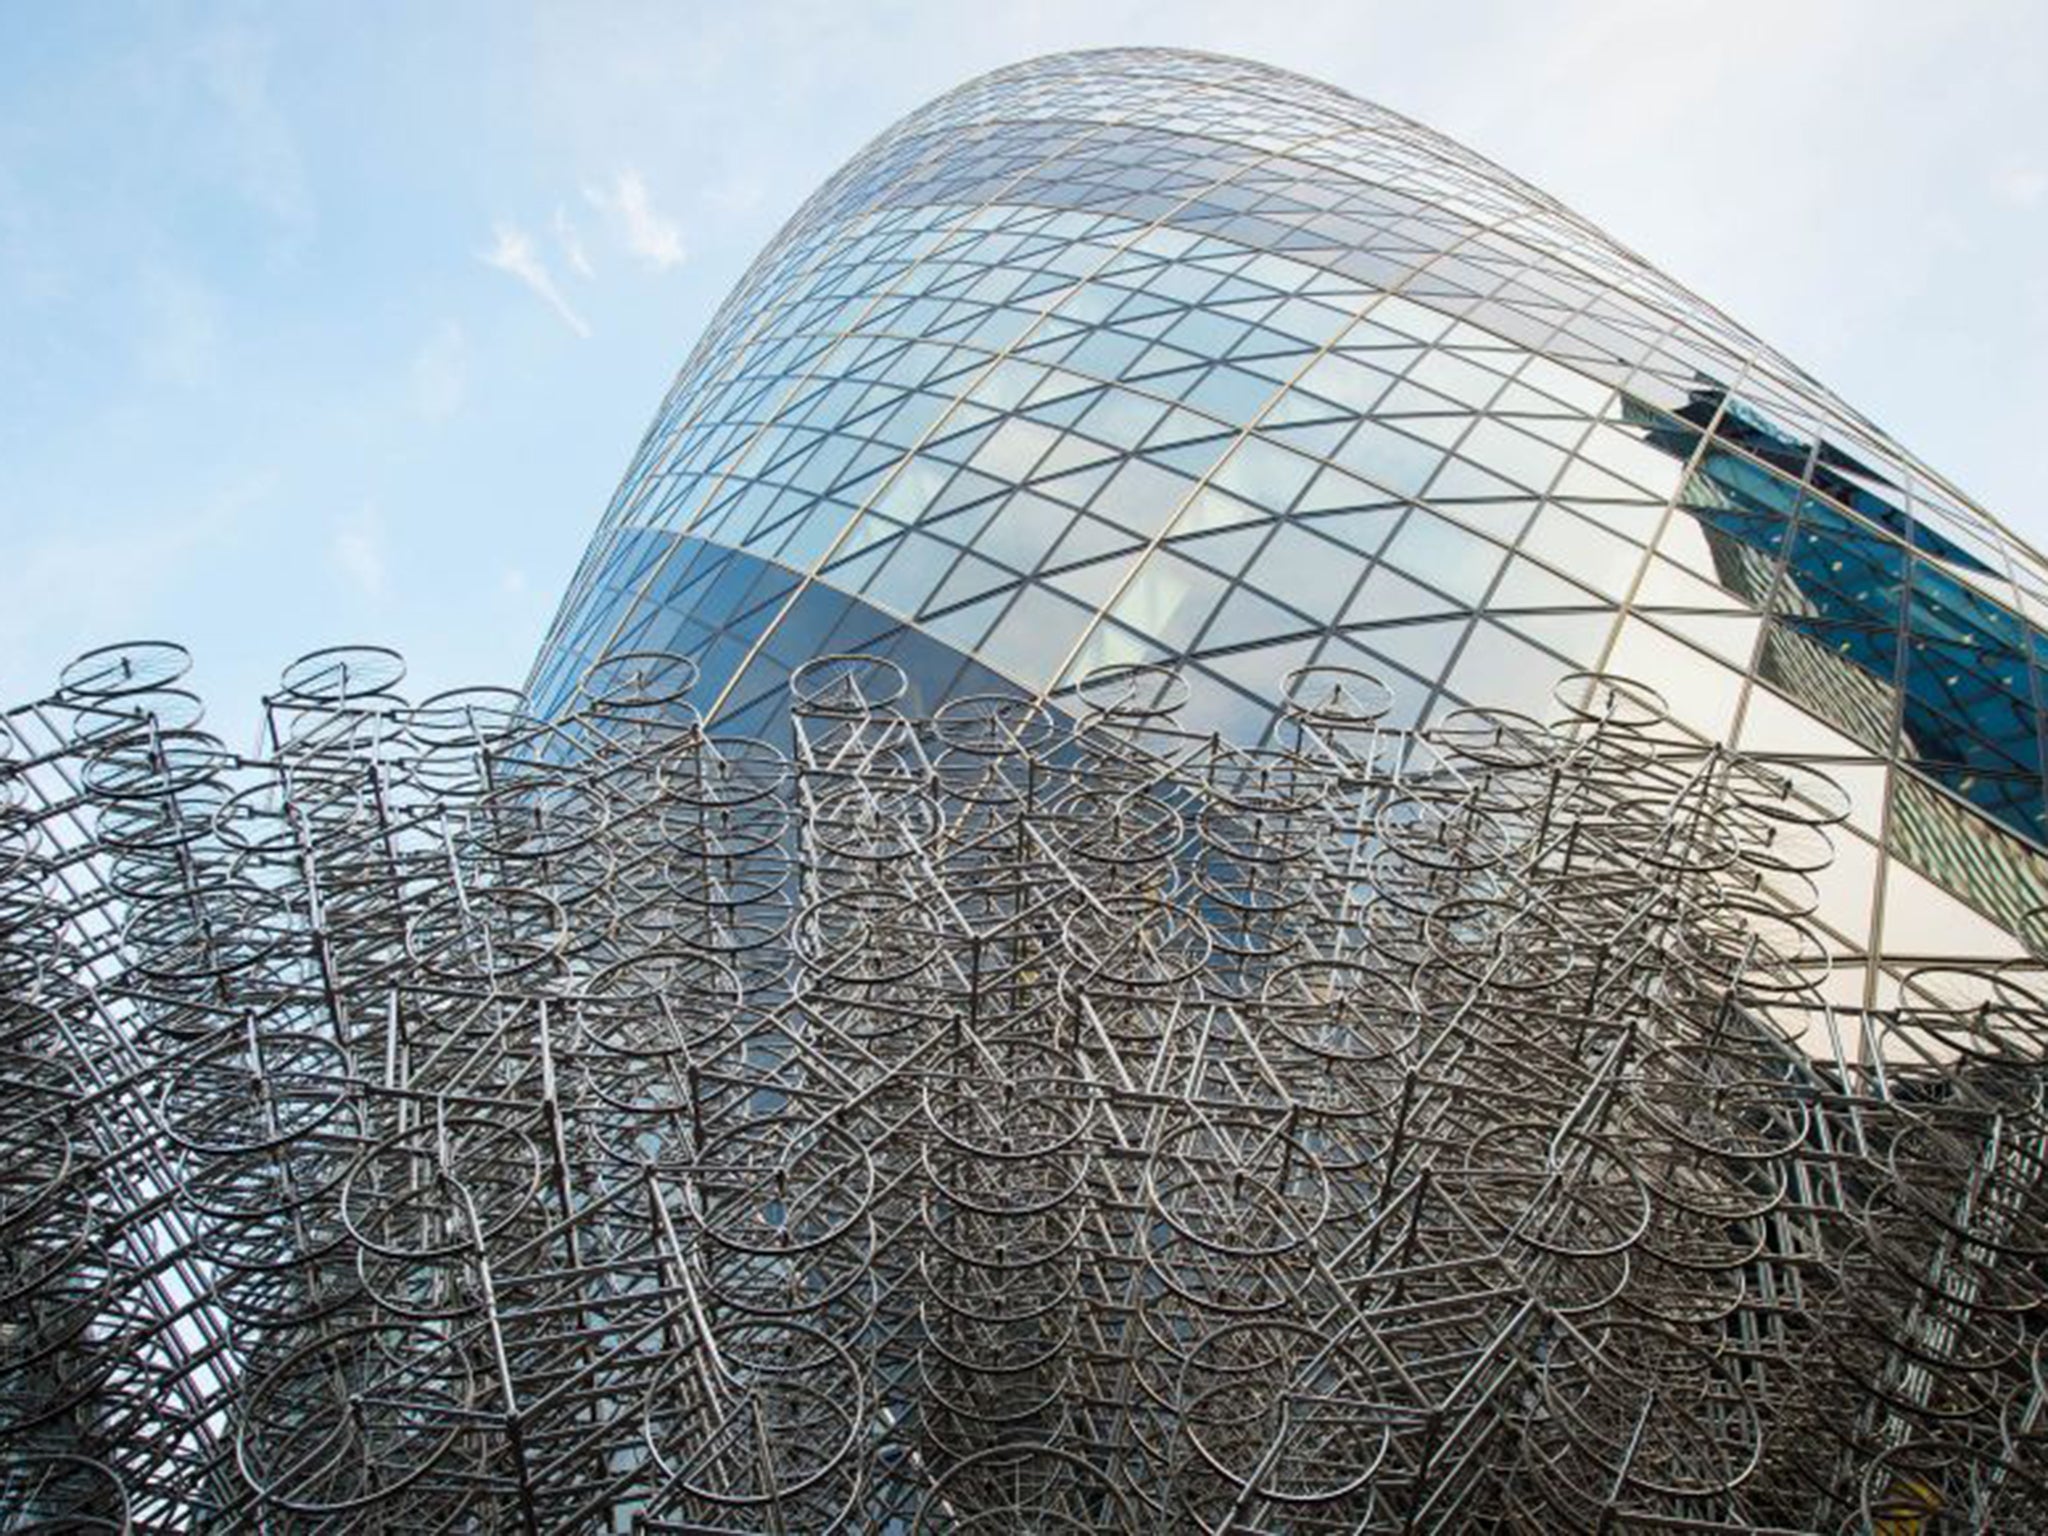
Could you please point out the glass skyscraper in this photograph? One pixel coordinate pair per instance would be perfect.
(1148, 355)
(1342, 1106)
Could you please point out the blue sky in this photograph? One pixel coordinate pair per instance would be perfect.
(323, 323)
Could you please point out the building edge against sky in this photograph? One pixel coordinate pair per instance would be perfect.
(1145, 355)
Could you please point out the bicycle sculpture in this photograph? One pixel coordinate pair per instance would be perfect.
(1020, 1117)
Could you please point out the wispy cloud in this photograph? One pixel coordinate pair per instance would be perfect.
(570, 239)
(650, 236)
(357, 554)
(178, 342)
(233, 64)
(513, 252)
(439, 373)
(2021, 186)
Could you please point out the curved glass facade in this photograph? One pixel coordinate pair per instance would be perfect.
(1149, 355)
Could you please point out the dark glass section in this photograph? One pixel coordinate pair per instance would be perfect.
(1854, 599)
(1827, 468)
(713, 604)
(2001, 876)
(722, 601)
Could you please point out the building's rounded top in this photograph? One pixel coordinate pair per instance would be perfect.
(1146, 93)
(1152, 356)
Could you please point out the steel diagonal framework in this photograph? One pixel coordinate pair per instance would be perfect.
(994, 1120)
